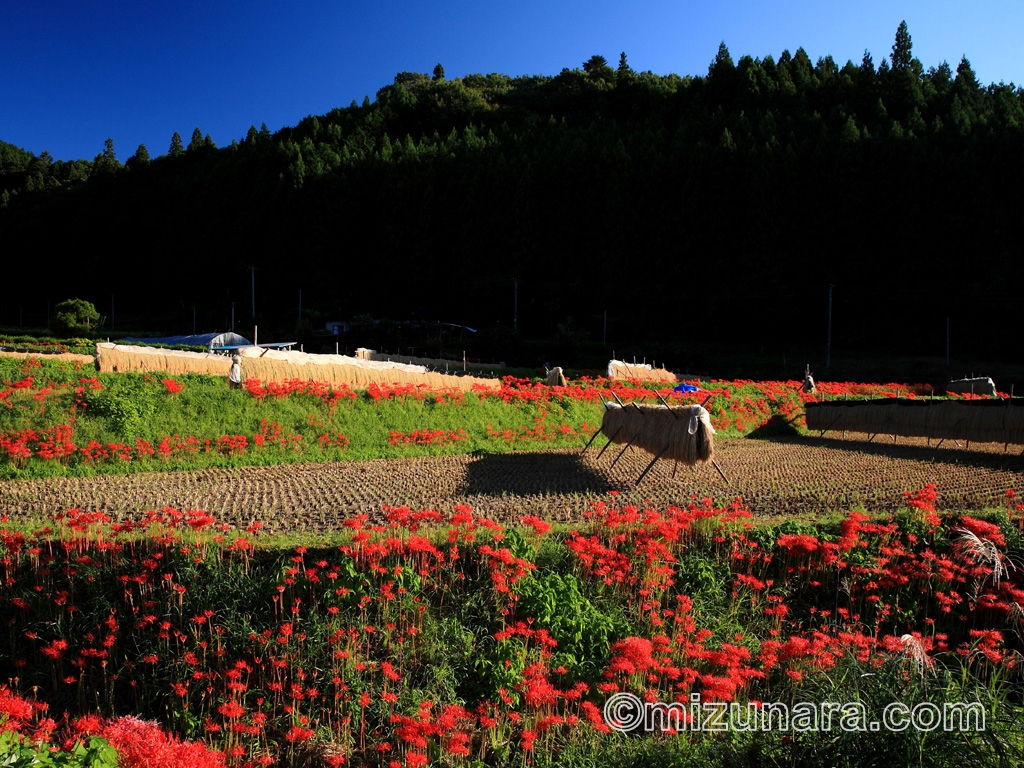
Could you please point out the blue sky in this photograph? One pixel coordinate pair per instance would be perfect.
(75, 72)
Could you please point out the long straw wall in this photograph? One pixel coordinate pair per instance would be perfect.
(278, 366)
(122, 358)
(431, 362)
(985, 421)
(356, 377)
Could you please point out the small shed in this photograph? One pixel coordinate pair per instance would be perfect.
(979, 385)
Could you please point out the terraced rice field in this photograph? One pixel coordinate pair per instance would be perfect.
(773, 477)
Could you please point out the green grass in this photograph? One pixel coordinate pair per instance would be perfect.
(223, 427)
(132, 407)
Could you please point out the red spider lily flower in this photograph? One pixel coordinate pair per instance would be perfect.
(633, 655)
(87, 725)
(142, 744)
(231, 710)
(297, 733)
(14, 707)
(983, 530)
(540, 527)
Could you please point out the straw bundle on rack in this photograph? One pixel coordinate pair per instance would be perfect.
(682, 433)
(982, 421)
(555, 377)
(121, 358)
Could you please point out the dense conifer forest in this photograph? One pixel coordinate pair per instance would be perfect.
(599, 203)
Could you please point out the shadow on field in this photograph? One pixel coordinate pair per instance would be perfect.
(987, 455)
(532, 474)
(778, 426)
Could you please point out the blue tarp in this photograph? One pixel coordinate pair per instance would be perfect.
(687, 388)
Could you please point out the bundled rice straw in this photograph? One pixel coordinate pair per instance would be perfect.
(682, 433)
(622, 371)
(437, 363)
(122, 358)
(556, 377)
(277, 366)
(984, 421)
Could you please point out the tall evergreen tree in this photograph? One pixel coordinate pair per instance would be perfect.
(867, 64)
(106, 162)
(624, 73)
(196, 142)
(901, 49)
(177, 148)
(140, 159)
(723, 63)
(965, 77)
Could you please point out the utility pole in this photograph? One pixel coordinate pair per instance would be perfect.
(252, 271)
(828, 343)
(515, 310)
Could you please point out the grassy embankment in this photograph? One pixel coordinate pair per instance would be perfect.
(65, 419)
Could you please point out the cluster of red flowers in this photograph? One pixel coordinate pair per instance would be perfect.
(328, 393)
(52, 443)
(338, 647)
(422, 392)
(138, 743)
(871, 564)
(741, 405)
(55, 444)
(541, 432)
(38, 345)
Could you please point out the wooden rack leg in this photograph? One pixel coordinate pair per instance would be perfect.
(653, 462)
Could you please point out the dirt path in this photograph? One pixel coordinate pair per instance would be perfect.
(774, 477)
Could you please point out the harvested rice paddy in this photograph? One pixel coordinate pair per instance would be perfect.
(775, 477)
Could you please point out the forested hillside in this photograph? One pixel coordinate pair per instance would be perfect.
(719, 206)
